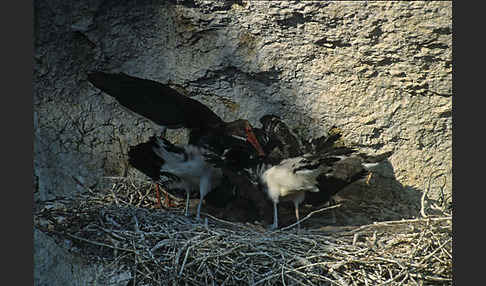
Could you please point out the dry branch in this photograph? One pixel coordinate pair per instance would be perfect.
(161, 247)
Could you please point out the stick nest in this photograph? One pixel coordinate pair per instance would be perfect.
(119, 227)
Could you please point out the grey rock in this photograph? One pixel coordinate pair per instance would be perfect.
(380, 71)
(55, 265)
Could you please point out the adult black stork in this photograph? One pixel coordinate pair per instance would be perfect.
(167, 108)
(158, 158)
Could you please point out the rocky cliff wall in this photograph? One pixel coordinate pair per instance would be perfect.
(380, 71)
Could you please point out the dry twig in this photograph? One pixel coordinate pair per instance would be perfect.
(167, 248)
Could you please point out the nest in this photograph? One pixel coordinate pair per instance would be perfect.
(119, 226)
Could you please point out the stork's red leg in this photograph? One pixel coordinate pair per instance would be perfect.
(167, 200)
(158, 205)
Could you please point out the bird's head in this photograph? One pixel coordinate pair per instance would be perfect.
(243, 130)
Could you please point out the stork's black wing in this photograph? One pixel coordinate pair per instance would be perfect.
(281, 136)
(143, 158)
(155, 101)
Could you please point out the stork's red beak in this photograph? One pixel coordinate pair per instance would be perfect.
(253, 140)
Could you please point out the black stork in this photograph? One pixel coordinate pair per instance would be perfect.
(167, 108)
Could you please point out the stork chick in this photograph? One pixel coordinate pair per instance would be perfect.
(188, 163)
(290, 180)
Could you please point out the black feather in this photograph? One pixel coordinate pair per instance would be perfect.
(143, 158)
(281, 141)
(155, 101)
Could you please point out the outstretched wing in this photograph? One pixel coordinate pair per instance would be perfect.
(155, 101)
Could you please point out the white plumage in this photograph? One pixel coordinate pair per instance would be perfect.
(188, 163)
(290, 180)
(293, 177)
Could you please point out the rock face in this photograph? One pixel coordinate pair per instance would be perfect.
(55, 265)
(380, 71)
